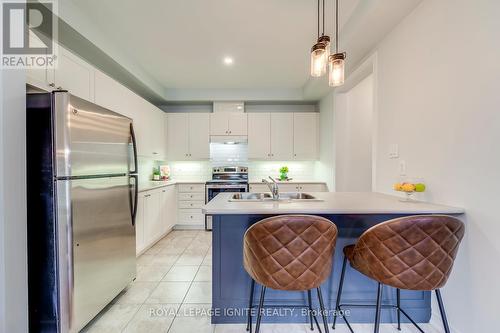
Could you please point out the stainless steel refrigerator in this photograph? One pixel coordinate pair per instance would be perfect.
(82, 194)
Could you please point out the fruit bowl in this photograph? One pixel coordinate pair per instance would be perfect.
(409, 187)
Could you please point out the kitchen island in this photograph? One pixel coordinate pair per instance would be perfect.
(353, 213)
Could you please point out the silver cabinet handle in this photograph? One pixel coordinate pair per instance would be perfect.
(52, 85)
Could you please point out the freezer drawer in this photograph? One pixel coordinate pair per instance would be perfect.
(102, 243)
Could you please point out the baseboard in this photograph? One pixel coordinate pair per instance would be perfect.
(189, 227)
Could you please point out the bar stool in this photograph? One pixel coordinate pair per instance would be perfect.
(289, 252)
(411, 253)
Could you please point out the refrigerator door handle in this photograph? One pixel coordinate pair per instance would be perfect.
(133, 202)
(134, 145)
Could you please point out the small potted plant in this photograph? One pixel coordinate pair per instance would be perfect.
(284, 173)
(156, 173)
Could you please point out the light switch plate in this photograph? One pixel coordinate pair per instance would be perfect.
(394, 150)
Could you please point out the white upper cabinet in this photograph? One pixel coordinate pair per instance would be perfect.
(305, 136)
(177, 136)
(188, 136)
(72, 74)
(199, 136)
(282, 136)
(75, 75)
(228, 118)
(259, 135)
(276, 136)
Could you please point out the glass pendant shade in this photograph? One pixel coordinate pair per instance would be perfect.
(336, 69)
(318, 60)
(326, 41)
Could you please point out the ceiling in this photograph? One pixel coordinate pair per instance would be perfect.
(181, 44)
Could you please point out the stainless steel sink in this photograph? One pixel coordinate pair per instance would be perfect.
(288, 196)
(251, 197)
(296, 196)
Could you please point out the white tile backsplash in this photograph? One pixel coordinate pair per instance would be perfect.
(298, 170)
(191, 170)
(226, 154)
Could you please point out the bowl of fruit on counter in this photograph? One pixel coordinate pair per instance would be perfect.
(409, 187)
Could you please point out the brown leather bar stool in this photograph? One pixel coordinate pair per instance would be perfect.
(412, 253)
(289, 252)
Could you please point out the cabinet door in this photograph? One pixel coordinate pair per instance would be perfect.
(178, 136)
(40, 78)
(237, 123)
(259, 135)
(170, 207)
(219, 123)
(282, 136)
(139, 225)
(313, 188)
(305, 136)
(75, 75)
(156, 132)
(289, 187)
(153, 218)
(199, 136)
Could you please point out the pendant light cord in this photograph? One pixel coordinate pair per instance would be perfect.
(323, 18)
(336, 26)
(318, 18)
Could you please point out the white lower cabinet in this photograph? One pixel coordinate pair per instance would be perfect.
(191, 198)
(156, 215)
(290, 187)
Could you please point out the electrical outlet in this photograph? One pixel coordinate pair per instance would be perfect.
(402, 168)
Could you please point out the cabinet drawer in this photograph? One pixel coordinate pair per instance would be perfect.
(188, 188)
(192, 196)
(191, 204)
(191, 216)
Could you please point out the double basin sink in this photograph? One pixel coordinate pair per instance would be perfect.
(287, 196)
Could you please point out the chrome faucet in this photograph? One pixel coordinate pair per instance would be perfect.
(273, 187)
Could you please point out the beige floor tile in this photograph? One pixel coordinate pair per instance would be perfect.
(113, 319)
(207, 261)
(181, 273)
(193, 318)
(152, 318)
(199, 292)
(187, 259)
(136, 293)
(204, 274)
(164, 259)
(145, 259)
(172, 250)
(151, 273)
(169, 292)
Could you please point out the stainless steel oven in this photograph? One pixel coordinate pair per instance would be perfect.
(225, 179)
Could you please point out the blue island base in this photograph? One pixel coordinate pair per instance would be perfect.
(231, 283)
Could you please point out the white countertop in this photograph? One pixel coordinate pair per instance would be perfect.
(293, 181)
(154, 184)
(333, 203)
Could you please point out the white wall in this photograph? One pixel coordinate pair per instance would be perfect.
(13, 262)
(353, 137)
(325, 167)
(438, 98)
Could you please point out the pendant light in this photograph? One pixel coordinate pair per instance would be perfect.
(318, 54)
(336, 61)
(325, 39)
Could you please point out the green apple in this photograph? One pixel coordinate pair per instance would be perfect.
(419, 187)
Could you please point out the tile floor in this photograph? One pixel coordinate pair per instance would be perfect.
(172, 293)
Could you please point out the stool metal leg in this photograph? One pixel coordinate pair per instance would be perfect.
(250, 304)
(443, 313)
(310, 309)
(398, 300)
(377, 311)
(339, 291)
(322, 307)
(259, 309)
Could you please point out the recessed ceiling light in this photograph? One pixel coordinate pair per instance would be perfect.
(228, 61)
